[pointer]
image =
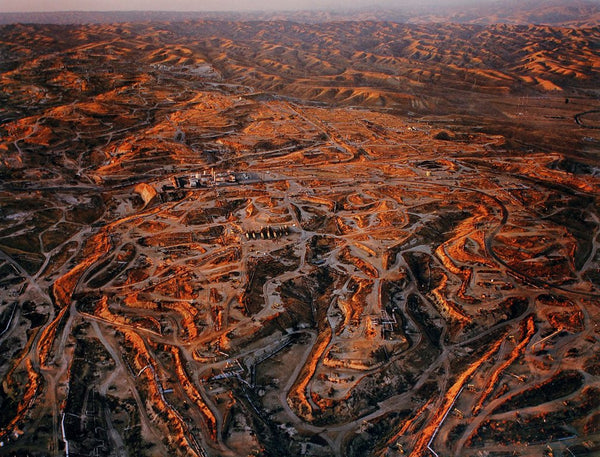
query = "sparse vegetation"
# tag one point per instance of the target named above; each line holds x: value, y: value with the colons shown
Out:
x: 298, y: 238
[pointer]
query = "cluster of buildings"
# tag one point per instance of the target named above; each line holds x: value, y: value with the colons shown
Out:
x: 205, y: 179
x: 268, y: 233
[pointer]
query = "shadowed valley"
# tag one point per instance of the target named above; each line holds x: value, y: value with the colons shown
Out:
x: 223, y: 238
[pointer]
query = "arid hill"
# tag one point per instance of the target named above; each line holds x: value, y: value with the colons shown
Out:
x: 424, y: 69
x: 267, y: 238
x: 564, y: 13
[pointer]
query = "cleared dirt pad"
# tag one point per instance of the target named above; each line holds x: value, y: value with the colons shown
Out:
x: 288, y: 238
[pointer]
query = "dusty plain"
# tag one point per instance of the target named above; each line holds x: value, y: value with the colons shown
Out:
x: 273, y: 238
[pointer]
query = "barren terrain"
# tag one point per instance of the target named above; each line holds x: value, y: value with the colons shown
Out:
x: 272, y: 238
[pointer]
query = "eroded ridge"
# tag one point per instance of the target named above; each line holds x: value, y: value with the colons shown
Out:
x: 192, y: 267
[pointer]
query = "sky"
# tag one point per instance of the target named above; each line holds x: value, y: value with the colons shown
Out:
x: 196, y: 5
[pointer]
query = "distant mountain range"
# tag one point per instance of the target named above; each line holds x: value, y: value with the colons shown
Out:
x: 568, y: 13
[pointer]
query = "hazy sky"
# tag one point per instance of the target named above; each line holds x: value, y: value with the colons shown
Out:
x: 194, y: 5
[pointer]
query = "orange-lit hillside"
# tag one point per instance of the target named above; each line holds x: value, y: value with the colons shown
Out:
x: 233, y: 238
